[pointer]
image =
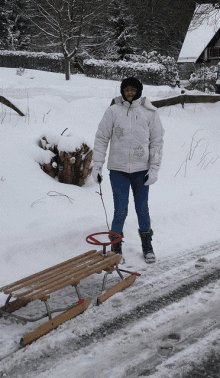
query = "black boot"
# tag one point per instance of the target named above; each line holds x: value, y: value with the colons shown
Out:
x: 117, y: 247
x: 147, y: 248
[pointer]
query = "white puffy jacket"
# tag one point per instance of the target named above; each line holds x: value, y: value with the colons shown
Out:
x: 136, y: 136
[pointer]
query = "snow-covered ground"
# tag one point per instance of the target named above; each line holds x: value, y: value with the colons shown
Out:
x: 39, y: 230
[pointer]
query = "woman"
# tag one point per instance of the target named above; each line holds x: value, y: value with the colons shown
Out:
x: 135, y: 132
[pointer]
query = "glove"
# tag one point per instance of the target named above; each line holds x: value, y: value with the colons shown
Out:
x: 151, y: 177
x: 97, y: 173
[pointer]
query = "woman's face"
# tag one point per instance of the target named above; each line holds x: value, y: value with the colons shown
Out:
x: 130, y: 92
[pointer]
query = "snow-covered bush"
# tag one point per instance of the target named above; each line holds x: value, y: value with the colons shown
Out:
x: 204, y: 79
x: 170, y: 71
x: 148, y: 73
x: 151, y: 68
x: 185, y: 70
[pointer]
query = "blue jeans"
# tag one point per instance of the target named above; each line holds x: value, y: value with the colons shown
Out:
x: 121, y: 182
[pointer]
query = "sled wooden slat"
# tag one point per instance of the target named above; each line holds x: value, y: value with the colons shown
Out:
x: 61, y: 275
x: 55, y: 322
x: 71, y: 280
x: 34, y: 278
x: 52, y: 278
x: 116, y: 288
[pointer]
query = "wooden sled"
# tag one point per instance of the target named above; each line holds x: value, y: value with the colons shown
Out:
x: 39, y: 286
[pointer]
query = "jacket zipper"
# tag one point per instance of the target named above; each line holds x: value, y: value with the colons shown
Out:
x: 130, y: 124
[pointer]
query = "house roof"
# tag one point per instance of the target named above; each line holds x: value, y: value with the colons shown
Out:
x: 197, y: 39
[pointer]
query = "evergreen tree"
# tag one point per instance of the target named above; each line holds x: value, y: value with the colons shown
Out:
x: 121, y: 30
x: 3, y: 29
x: 15, y: 28
x: 162, y: 24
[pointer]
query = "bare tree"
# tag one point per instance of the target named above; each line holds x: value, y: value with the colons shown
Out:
x: 64, y: 23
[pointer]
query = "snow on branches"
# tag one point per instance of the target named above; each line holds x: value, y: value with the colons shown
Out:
x: 151, y: 68
x: 204, y: 79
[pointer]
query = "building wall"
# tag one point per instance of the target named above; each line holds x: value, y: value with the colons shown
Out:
x: 217, y: 44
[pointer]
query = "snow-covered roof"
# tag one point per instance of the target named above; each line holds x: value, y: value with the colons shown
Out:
x: 198, y: 38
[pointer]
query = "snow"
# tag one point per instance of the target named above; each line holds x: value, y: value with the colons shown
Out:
x: 197, y: 38
x: 137, y: 341
x: 41, y: 227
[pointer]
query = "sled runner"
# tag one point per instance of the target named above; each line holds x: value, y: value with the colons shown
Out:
x: 39, y: 286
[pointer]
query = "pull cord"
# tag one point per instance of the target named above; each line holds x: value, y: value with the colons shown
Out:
x: 100, y: 193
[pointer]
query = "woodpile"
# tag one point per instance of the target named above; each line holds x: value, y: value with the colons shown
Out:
x: 68, y: 167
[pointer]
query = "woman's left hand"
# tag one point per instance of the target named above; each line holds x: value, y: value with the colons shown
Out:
x: 151, y: 177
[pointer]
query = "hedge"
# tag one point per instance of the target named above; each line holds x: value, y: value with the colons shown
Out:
x: 34, y: 60
x: 147, y: 73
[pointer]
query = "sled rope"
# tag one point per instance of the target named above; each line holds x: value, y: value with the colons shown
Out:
x: 106, y: 218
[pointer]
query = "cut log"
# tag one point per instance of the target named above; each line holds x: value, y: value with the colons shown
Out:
x: 48, y: 168
x: 70, y: 167
x: 86, y: 165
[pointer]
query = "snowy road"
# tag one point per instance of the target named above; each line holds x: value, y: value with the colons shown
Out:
x: 160, y: 326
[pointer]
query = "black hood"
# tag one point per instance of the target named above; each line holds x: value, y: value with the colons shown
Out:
x: 132, y: 82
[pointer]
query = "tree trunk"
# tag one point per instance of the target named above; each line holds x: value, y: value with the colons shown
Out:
x: 67, y: 67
